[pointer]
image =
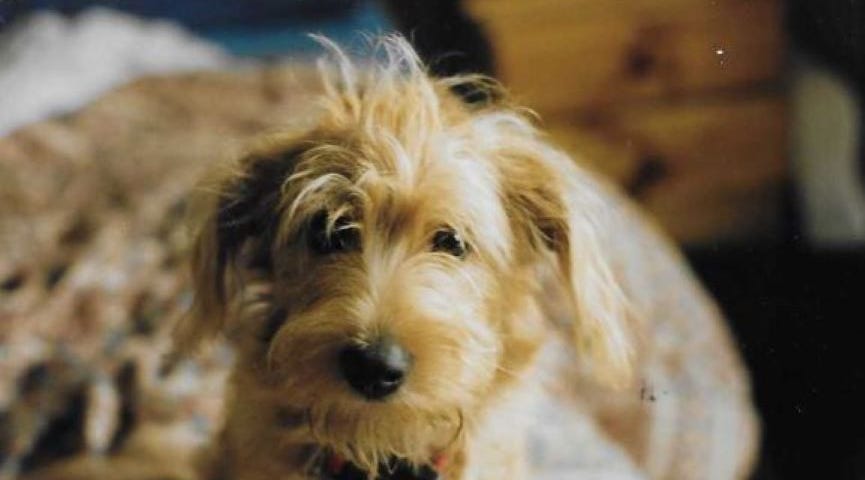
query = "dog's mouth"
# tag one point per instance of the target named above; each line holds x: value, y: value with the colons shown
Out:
x: 369, y: 445
x: 334, y: 467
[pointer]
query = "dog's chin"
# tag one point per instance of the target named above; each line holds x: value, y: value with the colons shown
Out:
x: 368, y: 434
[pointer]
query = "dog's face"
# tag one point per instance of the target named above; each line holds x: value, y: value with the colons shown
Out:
x: 377, y: 272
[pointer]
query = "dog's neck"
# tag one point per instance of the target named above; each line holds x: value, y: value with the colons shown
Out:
x: 334, y: 467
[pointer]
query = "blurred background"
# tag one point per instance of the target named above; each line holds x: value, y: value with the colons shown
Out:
x: 736, y: 123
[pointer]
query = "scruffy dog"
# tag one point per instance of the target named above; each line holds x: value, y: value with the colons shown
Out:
x: 382, y: 275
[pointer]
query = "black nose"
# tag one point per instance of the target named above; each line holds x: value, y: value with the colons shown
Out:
x: 376, y: 370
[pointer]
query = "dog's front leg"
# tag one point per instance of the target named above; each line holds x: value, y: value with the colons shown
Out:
x: 492, y: 460
x: 495, y: 446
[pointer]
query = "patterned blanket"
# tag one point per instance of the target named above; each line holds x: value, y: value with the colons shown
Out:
x: 91, y: 274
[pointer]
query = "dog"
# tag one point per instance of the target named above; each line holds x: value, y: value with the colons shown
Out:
x: 386, y: 274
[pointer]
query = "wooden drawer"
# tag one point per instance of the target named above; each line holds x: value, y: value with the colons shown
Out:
x: 557, y: 55
x: 676, y: 100
x: 709, y: 170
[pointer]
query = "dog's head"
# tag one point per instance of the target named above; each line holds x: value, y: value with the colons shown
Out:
x: 378, y: 272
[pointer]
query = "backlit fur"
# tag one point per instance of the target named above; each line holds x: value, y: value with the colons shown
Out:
x: 398, y: 157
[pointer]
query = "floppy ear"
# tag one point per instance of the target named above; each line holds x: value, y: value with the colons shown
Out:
x: 237, y: 215
x: 558, y: 217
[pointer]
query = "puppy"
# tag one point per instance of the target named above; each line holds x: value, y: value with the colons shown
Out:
x: 385, y: 276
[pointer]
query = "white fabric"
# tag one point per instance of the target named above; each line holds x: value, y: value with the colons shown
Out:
x: 51, y: 64
x: 825, y: 149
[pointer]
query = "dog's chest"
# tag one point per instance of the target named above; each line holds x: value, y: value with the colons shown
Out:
x: 563, y: 441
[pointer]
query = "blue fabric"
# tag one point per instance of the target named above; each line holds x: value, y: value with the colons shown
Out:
x: 196, y: 13
x: 292, y: 36
x: 243, y: 27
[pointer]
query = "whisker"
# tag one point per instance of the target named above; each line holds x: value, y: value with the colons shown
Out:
x: 459, y: 430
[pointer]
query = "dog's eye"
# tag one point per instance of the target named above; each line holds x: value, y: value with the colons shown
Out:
x: 341, y: 237
x: 449, y: 241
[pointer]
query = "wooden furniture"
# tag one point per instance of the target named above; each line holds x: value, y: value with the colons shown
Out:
x: 677, y: 100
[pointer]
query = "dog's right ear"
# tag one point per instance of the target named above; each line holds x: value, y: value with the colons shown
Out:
x: 557, y: 216
x: 234, y: 217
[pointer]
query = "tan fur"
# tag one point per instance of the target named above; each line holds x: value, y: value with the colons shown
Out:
x: 398, y: 156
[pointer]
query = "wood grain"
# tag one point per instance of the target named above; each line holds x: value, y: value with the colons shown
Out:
x: 559, y: 55
x: 709, y: 169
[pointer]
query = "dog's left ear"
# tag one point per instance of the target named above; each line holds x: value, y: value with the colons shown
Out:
x: 237, y: 216
x: 555, y: 220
